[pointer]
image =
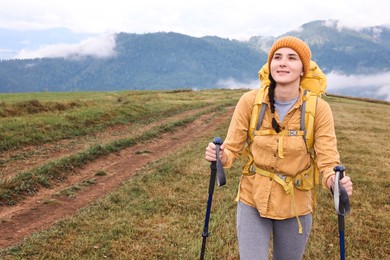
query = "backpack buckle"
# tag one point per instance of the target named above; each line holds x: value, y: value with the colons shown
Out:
x: 292, y: 132
x: 283, y: 177
x: 297, y: 183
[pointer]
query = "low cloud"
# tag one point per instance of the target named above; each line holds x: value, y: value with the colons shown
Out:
x: 371, y: 86
x: 341, y: 25
x: 367, y: 86
x: 100, y: 47
x: 234, y: 84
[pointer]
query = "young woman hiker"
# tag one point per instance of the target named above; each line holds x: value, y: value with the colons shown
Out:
x: 264, y: 206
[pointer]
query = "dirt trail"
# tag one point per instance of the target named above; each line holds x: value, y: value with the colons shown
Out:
x: 28, y: 157
x: 35, y: 213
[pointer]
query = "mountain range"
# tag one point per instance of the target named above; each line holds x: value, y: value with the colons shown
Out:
x: 169, y: 60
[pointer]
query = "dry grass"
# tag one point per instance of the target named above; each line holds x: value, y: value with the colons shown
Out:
x: 159, y: 214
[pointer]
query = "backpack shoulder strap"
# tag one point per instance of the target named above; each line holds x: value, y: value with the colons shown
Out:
x: 311, y: 100
x: 257, y: 113
x: 308, y: 114
x: 261, y: 116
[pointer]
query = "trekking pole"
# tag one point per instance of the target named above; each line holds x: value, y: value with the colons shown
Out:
x: 217, y: 172
x: 341, y: 203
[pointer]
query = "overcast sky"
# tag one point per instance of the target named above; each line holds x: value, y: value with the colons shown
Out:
x: 230, y: 19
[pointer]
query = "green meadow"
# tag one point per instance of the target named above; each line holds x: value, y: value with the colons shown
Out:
x: 159, y: 212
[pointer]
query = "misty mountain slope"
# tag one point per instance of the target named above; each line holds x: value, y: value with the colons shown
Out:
x: 147, y: 61
x: 172, y: 60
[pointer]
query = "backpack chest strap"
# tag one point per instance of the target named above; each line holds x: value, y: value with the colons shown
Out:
x: 286, y: 132
x: 282, y: 134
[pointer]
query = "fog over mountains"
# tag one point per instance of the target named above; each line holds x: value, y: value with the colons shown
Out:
x: 357, y: 62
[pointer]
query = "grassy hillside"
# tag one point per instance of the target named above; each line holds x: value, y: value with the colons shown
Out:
x: 30, y: 123
x: 159, y: 213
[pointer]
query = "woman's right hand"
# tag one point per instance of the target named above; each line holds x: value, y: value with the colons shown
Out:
x: 211, y: 153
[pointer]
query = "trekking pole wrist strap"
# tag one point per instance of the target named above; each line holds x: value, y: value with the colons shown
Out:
x: 340, y: 194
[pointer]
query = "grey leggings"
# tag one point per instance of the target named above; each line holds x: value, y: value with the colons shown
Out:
x: 254, y: 233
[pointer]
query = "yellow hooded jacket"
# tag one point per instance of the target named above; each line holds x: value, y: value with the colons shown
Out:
x: 261, y: 192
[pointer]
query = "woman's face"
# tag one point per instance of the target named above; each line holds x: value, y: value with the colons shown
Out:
x: 286, y: 66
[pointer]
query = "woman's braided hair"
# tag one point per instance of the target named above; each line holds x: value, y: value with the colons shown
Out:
x: 271, y: 97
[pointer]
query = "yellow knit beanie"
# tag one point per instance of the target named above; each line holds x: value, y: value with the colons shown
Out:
x: 297, y: 45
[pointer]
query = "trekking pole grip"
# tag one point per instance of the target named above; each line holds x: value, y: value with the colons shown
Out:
x: 221, y: 179
x: 218, y: 141
x: 340, y: 169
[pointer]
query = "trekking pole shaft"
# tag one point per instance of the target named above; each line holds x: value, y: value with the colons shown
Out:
x: 341, y: 223
x: 205, y: 233
x: 341, y: 238
x: 203, y: 248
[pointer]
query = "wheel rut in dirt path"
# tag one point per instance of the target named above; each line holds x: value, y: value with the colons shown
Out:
x: 35, y: 213
x: 26, y: 158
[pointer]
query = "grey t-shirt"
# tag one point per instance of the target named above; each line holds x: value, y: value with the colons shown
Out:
x: 284, y: 106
